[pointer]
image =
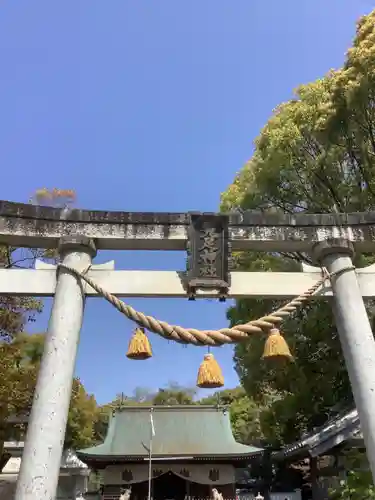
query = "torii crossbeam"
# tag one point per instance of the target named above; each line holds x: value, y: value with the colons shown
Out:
x: 41, y: 282
x: 209, y: 239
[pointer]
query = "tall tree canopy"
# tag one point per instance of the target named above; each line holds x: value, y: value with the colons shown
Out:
x: 317, y: 151
x: 15, y: 312
x: 18, y: 372
x: 244, y: 414
x: 315, y: 154
x: 17, y: 382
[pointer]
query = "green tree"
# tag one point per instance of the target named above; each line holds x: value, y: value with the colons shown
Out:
x: 225, y: 397
x: 294, y: 397
x: 81, y: 429
x: 316, y: 154
x: 15, y: 312
x: 244, y: 414
x: 317, y: 151
x: 83, y: 411
x: 174, y: 394
x: 358, y: 484
x: 32, y: 347
x: 17, y: 382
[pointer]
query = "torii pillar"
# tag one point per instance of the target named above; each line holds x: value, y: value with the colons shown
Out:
x: 41, y: 459
x: 353, y: 326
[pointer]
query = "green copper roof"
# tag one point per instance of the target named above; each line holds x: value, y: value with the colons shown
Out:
x: 180, y: 431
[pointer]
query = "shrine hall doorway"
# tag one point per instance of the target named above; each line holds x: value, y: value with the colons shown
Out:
x: 168, y: 486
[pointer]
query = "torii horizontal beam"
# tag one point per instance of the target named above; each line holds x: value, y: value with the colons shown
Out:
x: 41, y: 282
x: 42, y: 227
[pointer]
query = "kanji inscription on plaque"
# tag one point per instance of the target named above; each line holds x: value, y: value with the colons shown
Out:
x: 208, y: 252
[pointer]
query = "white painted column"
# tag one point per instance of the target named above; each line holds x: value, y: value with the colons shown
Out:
x: 41, y: 459
x: 355, y: 333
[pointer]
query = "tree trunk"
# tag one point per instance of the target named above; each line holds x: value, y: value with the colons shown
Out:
x: 314, y: 475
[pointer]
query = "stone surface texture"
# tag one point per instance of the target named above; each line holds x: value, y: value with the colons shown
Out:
x: 37, y: 226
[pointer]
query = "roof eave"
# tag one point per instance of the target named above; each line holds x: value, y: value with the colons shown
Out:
x: 315, y: 447
x: 142, y: 458
x: 299, y: 450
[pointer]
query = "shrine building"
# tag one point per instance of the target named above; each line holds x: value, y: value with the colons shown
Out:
x: 193, y: 451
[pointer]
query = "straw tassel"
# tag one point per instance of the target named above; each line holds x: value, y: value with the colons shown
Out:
x: 209, y: 374
x: 276, y: 346
x: 139, y: 345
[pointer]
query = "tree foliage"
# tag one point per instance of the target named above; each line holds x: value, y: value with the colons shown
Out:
x: 83, y: 410
x: 82, y: 417
x: 18, y: 373
x: 316, y: 154
x: 55, y: 197
x: 15, y: 312
x: 17, y: 382
x: 172, y: 394
x: 358, y: 484
x: 244, y: 414
x: 294, y: 397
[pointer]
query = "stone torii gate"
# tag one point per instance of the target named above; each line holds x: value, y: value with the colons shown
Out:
x: 209, y: 240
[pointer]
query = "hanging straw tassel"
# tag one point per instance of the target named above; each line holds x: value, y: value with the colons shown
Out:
x: 139, y: 345
x: 209, y: 374
x: 276, y: 346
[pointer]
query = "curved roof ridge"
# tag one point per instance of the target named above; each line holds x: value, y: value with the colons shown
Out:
x: 179, y: 431
x: 189, y: 407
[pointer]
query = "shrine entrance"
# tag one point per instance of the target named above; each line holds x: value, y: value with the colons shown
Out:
x: 210, y: 242
x: 169, y: 486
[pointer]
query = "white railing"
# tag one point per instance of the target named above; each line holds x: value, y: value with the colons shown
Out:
x: 294, y: 495
x: 14, y: 444
x: 290, y: 495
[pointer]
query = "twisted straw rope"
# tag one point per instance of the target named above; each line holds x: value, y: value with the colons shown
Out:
x: 182, y: 335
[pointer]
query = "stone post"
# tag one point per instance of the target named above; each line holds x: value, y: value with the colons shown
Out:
x: 355, y: 333
x: 41, y: 459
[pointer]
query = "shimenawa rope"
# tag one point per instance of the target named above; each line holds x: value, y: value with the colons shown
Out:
x: 183, y: 335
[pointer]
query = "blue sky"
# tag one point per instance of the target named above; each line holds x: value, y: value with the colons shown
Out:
x: 150, y: 106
